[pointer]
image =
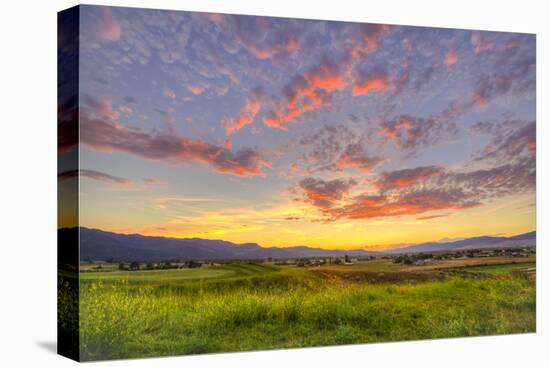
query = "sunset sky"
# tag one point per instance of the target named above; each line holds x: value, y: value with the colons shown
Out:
x: 292, y: 132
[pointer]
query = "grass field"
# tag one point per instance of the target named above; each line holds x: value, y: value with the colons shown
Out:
x: 248, y: 306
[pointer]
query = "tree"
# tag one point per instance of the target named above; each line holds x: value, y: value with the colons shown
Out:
x: 134, y: 265
x: 121, y: 266
x: 149, y: 266
x: 346, y: 259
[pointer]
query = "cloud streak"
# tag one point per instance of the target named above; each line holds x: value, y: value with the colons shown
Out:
x: 102, y: 132
x: 95, y: 175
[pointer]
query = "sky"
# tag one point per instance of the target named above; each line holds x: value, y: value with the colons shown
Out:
x: 289, y: 132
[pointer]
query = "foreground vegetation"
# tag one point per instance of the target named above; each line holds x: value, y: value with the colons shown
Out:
x: 238, y: 307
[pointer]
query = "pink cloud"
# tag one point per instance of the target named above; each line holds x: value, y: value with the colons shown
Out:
x: 100, y: 131
x: 152, y: 181
x: 169, y: 93
x: 110, y: 28
x: 246, y: 115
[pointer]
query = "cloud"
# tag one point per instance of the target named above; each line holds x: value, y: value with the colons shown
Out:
x: 196, y: 89
x: 406, y: 177
x: 305, y: 93
x: 126, y: 36
x: 518, y: 78
x: 428, y: 217
x: 410, y: 132
x: 364, y: 39
x: 509, y: 143
x: 169, y: 93
x: 412, y: 203
x: 451, y: 58
x: 126, y: 109
x: 316, y: 88
x: 152, y: 181
x: 364, y: 83
x: 480, y: 42
x: 246, y: 115
x: 101, y: 131
x: 95, y: 175
x: 513, y: 72
x: 284, y: 46
x: 333, y: 148
x: 324, y: 194
x: 418, y: 193
x: 354, y: 157
x: 109, y: 28
x: 266, y: 38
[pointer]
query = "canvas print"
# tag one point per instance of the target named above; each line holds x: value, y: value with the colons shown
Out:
x: 237, y: 183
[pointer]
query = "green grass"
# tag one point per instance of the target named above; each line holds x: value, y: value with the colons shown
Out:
x: 378, y: 265
x: 258, y: 306
x: 180, y: 276
x: 500, y: 268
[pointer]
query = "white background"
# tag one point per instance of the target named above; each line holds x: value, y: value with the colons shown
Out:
x: 28, y: 182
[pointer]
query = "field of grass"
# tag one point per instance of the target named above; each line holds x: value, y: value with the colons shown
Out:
x: 501, y: 268
x: 240, y: 306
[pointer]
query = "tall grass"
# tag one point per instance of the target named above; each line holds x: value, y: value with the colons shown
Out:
x: 120, y: 321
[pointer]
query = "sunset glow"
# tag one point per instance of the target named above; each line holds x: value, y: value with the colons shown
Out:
x: 288, y: 132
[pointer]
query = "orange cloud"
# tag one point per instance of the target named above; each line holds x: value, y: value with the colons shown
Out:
x: 417, y: 202
x: 228, y: 144
x: 406, y: 177
x: 307, y: 93
x: 323, y: 194
x: 366, y: 83
x: 369, y: 38
x: 215, y: 17
x: 451, y: 58
x: 286, y: 46
x: 195, y: 89
x: 246, y: 116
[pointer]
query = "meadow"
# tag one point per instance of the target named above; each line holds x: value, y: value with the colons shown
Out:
x: 250, y: 306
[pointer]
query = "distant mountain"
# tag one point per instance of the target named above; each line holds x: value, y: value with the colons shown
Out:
x: 101, y: 245
x: 482, y: 242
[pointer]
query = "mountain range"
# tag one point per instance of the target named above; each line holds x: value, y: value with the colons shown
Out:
x: 481, y: 242
x: 101, y: 245
x: 97, y: 245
